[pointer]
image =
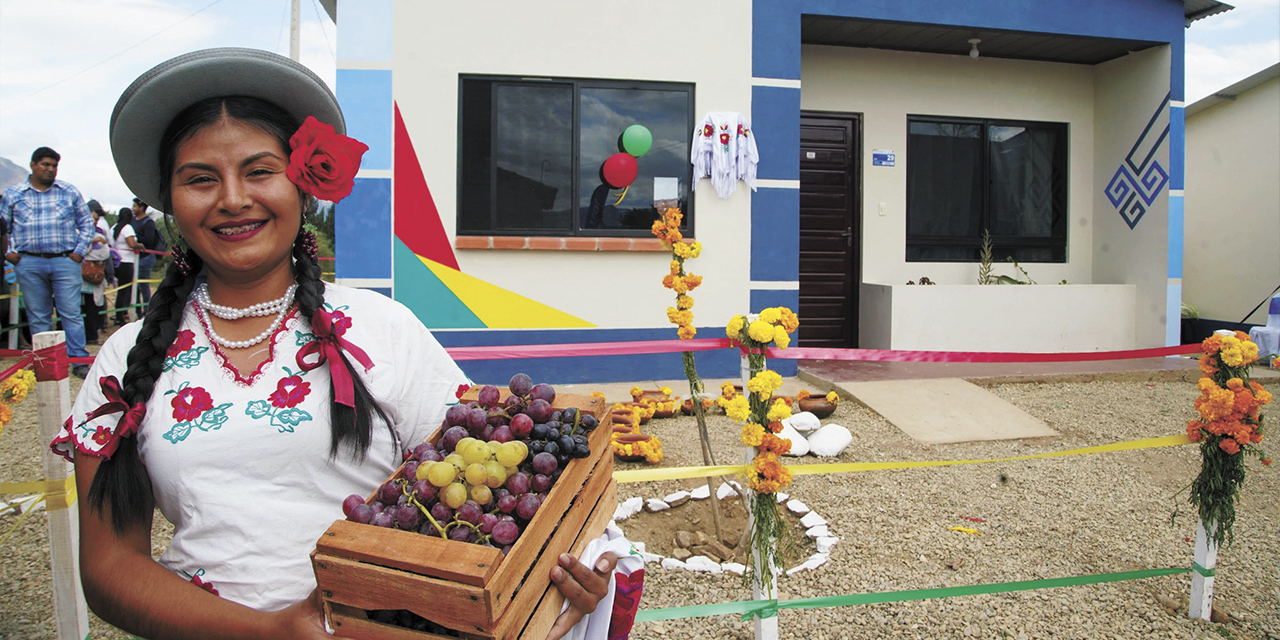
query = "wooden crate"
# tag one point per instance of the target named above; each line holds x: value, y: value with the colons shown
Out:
x: 472, y: 589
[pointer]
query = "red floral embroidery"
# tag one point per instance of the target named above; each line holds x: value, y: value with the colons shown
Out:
x: 324, y: 163
x: 462, y: 389
x: 102, y: 436
x: 290, y: 392
x: 707, y: 130
x: 724, y: 138
x: 340, y: 323
x: 185, y: 340
x: 190, y: 403
x: 626, y: 602
x: 207, y: 586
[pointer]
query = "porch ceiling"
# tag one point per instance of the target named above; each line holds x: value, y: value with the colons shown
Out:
x: 908, y: 36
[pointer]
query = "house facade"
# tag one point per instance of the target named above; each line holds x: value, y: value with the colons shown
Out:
x: 888, y: 138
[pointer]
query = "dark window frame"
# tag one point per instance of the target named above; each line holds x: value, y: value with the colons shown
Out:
x: 1004, y: 246
x: 577, y: 85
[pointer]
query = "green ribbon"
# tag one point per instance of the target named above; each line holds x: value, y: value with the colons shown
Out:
x: 1208, y: 573
x: 769, y: 608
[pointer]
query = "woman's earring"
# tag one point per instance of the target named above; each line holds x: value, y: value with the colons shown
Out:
x: 180, y: 259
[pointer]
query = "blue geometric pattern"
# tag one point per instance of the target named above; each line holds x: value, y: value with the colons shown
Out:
x: 1135, y: 185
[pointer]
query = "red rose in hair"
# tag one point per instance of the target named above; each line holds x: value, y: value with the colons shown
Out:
x: 323, y: 163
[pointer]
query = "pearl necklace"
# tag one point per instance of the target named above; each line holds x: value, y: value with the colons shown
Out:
x: 256, y: 310
x: 283, y: 304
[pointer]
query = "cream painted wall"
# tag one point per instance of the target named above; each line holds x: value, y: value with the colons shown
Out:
x: 886, y: 86
x: 1127, y: 92
x: 1232, y: 244
x: 435, y: 42
x: 1039, y: 318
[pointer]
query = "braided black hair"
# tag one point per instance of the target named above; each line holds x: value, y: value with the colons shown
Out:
x: 121, y: 482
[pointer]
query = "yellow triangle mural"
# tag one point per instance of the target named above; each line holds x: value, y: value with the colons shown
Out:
x: 498, y: 308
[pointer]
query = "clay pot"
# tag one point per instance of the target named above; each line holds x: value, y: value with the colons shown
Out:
x: 631, y: 438
x: 644, y: 410
x: 622, y: 428
x: 818, y: 406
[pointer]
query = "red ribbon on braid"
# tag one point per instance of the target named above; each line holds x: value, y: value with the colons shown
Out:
x: 129, y: 423
x: 328, y: 347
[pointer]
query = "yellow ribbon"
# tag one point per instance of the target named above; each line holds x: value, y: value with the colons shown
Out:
x: 57, y: 494
x: 680, y: 473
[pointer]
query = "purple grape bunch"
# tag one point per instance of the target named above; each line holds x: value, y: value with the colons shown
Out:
x: 494, y: 512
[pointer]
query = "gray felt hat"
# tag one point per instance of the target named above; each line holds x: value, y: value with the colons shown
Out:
x: 149, y: 104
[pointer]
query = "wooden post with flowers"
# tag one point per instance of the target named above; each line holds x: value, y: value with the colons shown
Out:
x: 53, y: 395
x: 1229, y: 428
x: 766, y: 475
x: 667, y: 230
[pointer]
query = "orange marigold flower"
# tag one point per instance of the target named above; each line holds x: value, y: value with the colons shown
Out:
x: 1242, y: 336
x: 1229, y: 445
x: 1266, y: 462
x: 773, y: 444
x: 1211, y: 345
x: 1193, y: 431
x: 775, y: 427
x: 686, y: 332
x: 669, y: 281
x: 691, y: 281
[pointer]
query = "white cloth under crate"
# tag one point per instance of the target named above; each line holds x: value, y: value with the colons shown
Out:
x: 1268, y: 338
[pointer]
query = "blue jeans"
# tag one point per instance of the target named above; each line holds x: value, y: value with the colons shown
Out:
x: 145, y: 264
x: 47, y: 282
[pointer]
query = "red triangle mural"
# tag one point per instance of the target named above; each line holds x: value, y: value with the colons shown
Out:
x: 417, y: 221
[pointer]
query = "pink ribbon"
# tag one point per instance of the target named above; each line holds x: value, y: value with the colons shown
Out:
x: 129, y: 423
x: 328, y: 347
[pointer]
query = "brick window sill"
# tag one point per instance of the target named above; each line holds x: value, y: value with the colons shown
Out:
x: 544, y: 243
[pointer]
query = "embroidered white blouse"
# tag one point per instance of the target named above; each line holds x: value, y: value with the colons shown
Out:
x: 724, y: 149
x: 240, y: 464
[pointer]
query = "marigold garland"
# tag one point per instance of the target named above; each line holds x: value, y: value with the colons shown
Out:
x: 1230, y: 426
x: 650, y: 450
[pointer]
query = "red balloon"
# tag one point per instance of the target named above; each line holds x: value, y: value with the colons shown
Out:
x: 620, y: 170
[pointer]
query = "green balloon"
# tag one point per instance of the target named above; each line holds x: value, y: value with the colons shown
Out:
x: 636, y: 140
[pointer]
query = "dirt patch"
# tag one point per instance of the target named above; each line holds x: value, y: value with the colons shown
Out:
x: 659, y: 531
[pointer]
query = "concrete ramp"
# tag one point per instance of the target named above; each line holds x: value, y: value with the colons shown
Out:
x: 947, y: 410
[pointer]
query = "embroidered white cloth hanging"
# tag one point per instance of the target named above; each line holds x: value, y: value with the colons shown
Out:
x: 724, y: 149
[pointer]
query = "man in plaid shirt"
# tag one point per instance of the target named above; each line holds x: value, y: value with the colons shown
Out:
x: 49, y: 229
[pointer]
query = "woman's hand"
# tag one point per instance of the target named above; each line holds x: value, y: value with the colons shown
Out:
x: 303, y: 620
x: 581, y: 587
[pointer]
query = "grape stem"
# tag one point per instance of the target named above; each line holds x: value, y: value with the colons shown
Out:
x: 426, y: 512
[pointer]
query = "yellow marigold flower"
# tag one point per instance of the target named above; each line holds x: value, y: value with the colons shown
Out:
x: 6, y: 414
x: 695, y: 249
x: 734, y: 328
x: 686, y: 332
x: 752, y: 434
x: 1250, y: 351
x: 728, y: 390
x: 738, y: 409
x: 760, y: 331
x: 765, y: 383
x: 682, y: 249
x: 781, y: 338
x: 653, y: 456
x: 789, y: 320
x: 675, y: 267
x: 684, y: 301
x: 691, y: 282
x: 678, y: 284
x: 771, y: 315
x: 597, y: 394
x: 833, y: 397
x: 1232, y: 357
x: 779, y: 411
x: 636, y: 392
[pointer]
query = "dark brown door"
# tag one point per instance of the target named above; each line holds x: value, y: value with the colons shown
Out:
x: 830, y: 242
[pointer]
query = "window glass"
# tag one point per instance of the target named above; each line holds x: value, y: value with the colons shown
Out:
x: 967, y: 176
x: 661, y: 172
x: 531, y: 153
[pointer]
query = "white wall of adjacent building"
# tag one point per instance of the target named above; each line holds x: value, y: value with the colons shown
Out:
x: 1232, y: 244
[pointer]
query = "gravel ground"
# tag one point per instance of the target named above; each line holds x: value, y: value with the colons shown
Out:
x: 1047, y: 518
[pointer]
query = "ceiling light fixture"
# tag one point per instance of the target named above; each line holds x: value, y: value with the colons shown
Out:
x: 973, y: 50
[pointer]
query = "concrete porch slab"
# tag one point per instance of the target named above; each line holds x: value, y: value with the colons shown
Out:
x: 946, y: 410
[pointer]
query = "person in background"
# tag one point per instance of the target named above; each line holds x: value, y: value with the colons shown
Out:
x: 149, y: 236
x: 125, y: 241
x: 49, y: 227
x: 92, y: 294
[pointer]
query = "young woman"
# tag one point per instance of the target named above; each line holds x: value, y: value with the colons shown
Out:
x: 253, y: 397
x: 125, y: 241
